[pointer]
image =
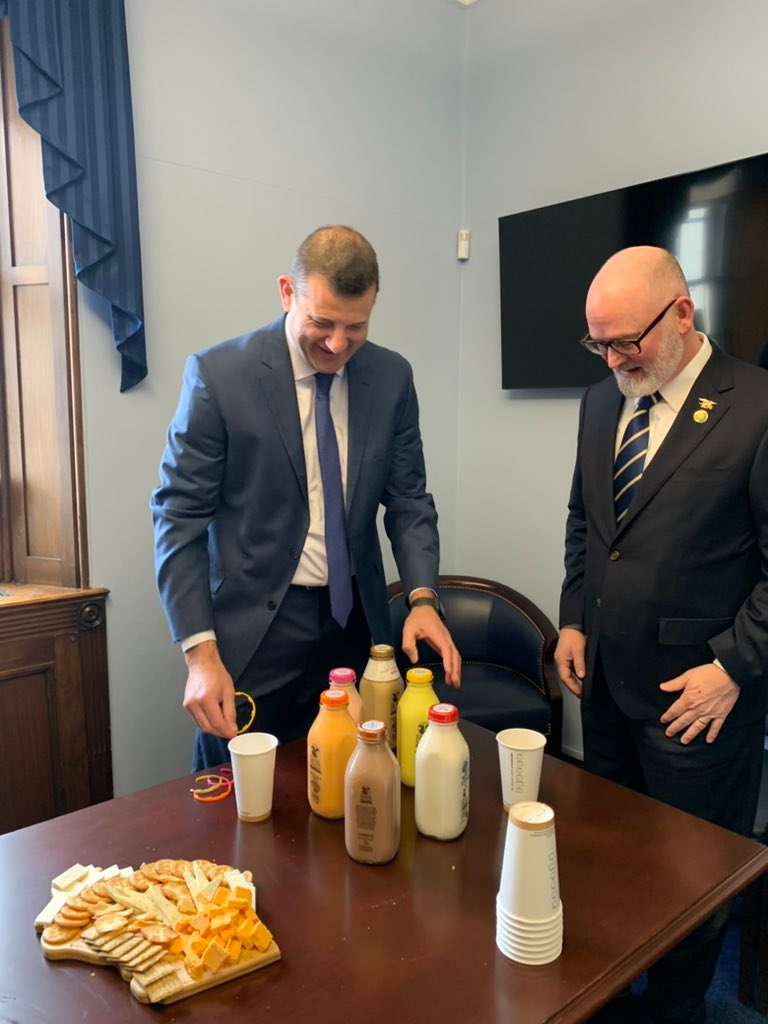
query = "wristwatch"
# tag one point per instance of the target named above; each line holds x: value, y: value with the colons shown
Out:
x: 433, y: 602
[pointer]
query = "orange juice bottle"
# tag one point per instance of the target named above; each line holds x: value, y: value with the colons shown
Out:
x: 330, y: 741
x: 412, y: 719
x: 345, y: 679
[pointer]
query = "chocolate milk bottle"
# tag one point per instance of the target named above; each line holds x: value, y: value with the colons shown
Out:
x: 372, y: 797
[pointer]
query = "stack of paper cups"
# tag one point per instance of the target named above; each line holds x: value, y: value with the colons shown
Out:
x: 529, y: 914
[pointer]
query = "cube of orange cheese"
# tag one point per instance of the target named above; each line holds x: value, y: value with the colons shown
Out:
x: 221, y: 921
x: 234, y: 948
x: 220, y: 896
x: 177, y: 945
x: 194, y: 965
x: 244, y: 934
x: 226, y: 934
x: 240, y: 899
x: 214, y: 956
x: 200, y: 923
x: 261, y: 936
x: 194, y: 943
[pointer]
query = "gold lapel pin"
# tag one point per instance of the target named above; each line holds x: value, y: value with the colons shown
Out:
x: 702, y: 413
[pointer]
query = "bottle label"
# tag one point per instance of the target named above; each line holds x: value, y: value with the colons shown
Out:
x: 381, y: 671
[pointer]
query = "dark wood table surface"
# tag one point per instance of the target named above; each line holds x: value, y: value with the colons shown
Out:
x: 411, y: 940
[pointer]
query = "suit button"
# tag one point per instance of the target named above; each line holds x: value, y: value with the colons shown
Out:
x: 271, y: 605
x: 599, y: 602
x: 294, y: 553
x: 614, y: 556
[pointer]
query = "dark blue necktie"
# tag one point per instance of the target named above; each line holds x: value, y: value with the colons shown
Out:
x: 336, y: 550
x: 630, y: 458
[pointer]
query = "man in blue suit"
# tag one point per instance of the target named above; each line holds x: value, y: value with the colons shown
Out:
x: 243, y: 544
x: 664, y: 607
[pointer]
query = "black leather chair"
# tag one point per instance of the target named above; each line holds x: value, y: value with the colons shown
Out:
x: 507, y: 646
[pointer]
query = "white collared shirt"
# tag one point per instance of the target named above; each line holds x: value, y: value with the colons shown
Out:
x: 674, y: 394
x: 312, y: 570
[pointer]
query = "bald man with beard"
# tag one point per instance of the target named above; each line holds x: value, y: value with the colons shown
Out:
x: 664, y: 607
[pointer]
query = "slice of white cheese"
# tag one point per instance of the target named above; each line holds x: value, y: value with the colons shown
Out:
x: 165, y: 909
x: 64, y: 881
x: 140, y: 901
x: 47, y: 914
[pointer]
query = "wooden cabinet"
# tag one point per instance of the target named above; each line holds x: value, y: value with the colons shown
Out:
x: 55, y: 749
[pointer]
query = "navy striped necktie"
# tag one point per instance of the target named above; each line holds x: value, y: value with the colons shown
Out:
x: 336, y: 550
x: 630, y: 458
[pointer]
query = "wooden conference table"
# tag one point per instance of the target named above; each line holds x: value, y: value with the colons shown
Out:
x: 411, y: 940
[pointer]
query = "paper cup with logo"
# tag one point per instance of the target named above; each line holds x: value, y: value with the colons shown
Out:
x: 529, y: 890
x: 521, y: 752
x: 253, y: 771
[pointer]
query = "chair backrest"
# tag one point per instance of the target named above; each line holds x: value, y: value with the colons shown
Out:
x: 490, y: 623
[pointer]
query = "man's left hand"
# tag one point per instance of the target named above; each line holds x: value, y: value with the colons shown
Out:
x: 423, y: 623
x: 708, y: 696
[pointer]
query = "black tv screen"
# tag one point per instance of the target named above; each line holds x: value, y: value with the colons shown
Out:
x: 715, y: 221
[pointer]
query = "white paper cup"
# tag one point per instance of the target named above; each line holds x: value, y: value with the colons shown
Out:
x: 529, y: 890
x: 525, y: 927
x: 253, y: 771
x: 529, y: 957
x: 521, y: 752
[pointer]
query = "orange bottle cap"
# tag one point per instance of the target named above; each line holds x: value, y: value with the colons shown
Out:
x: 334, y: 699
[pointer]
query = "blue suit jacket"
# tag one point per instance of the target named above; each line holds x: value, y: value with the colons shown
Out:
x: 231, y: 511
x: 684, y: 578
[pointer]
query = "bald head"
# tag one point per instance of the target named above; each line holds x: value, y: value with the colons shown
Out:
x: 627, y: 300
x: 641, y: 273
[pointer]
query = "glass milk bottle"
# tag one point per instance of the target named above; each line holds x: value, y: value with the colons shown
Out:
x: 412, y: 718
x: 345, y: 679
x: 441, y: 799
x: 372, y: 797
x: 381, y: 687
x: 330, y: 741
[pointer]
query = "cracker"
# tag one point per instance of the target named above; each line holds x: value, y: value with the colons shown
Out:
x: 56, y: 935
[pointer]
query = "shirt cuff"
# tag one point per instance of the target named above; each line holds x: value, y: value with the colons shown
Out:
x: 196, y: 638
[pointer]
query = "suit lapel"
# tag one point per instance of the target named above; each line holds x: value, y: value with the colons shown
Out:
x: 275, y: 373
x: 360, y: 416
x: 690, y: 429
x: 598, y: 447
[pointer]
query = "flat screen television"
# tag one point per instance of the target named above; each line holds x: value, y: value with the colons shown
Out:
x: 715, y: 221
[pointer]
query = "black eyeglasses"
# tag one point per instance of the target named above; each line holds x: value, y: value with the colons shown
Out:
x: 625, y: 346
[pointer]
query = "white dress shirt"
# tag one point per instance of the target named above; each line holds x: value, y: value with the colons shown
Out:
x: 674, y: 394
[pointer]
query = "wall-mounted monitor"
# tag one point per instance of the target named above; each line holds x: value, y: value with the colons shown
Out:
x: 715, y: 221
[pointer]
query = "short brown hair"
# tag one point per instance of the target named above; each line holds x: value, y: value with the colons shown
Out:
x: 339, y: 254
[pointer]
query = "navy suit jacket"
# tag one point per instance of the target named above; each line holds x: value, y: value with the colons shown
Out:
x: 231, y: 511
x: 684, y: 578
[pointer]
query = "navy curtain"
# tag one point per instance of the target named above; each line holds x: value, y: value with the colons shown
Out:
x: 73, y: 88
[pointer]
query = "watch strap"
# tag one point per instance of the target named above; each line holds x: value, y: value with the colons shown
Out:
x: 433, y: 602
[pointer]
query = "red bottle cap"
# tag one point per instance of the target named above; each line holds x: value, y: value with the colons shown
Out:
x: 443, y: 713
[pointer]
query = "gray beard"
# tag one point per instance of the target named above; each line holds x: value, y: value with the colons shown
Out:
x: 657, y: 373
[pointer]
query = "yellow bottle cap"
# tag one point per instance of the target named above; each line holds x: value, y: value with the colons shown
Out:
x: 419, y: 676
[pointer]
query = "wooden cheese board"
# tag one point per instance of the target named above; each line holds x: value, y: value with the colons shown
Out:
x: 171, y: 930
